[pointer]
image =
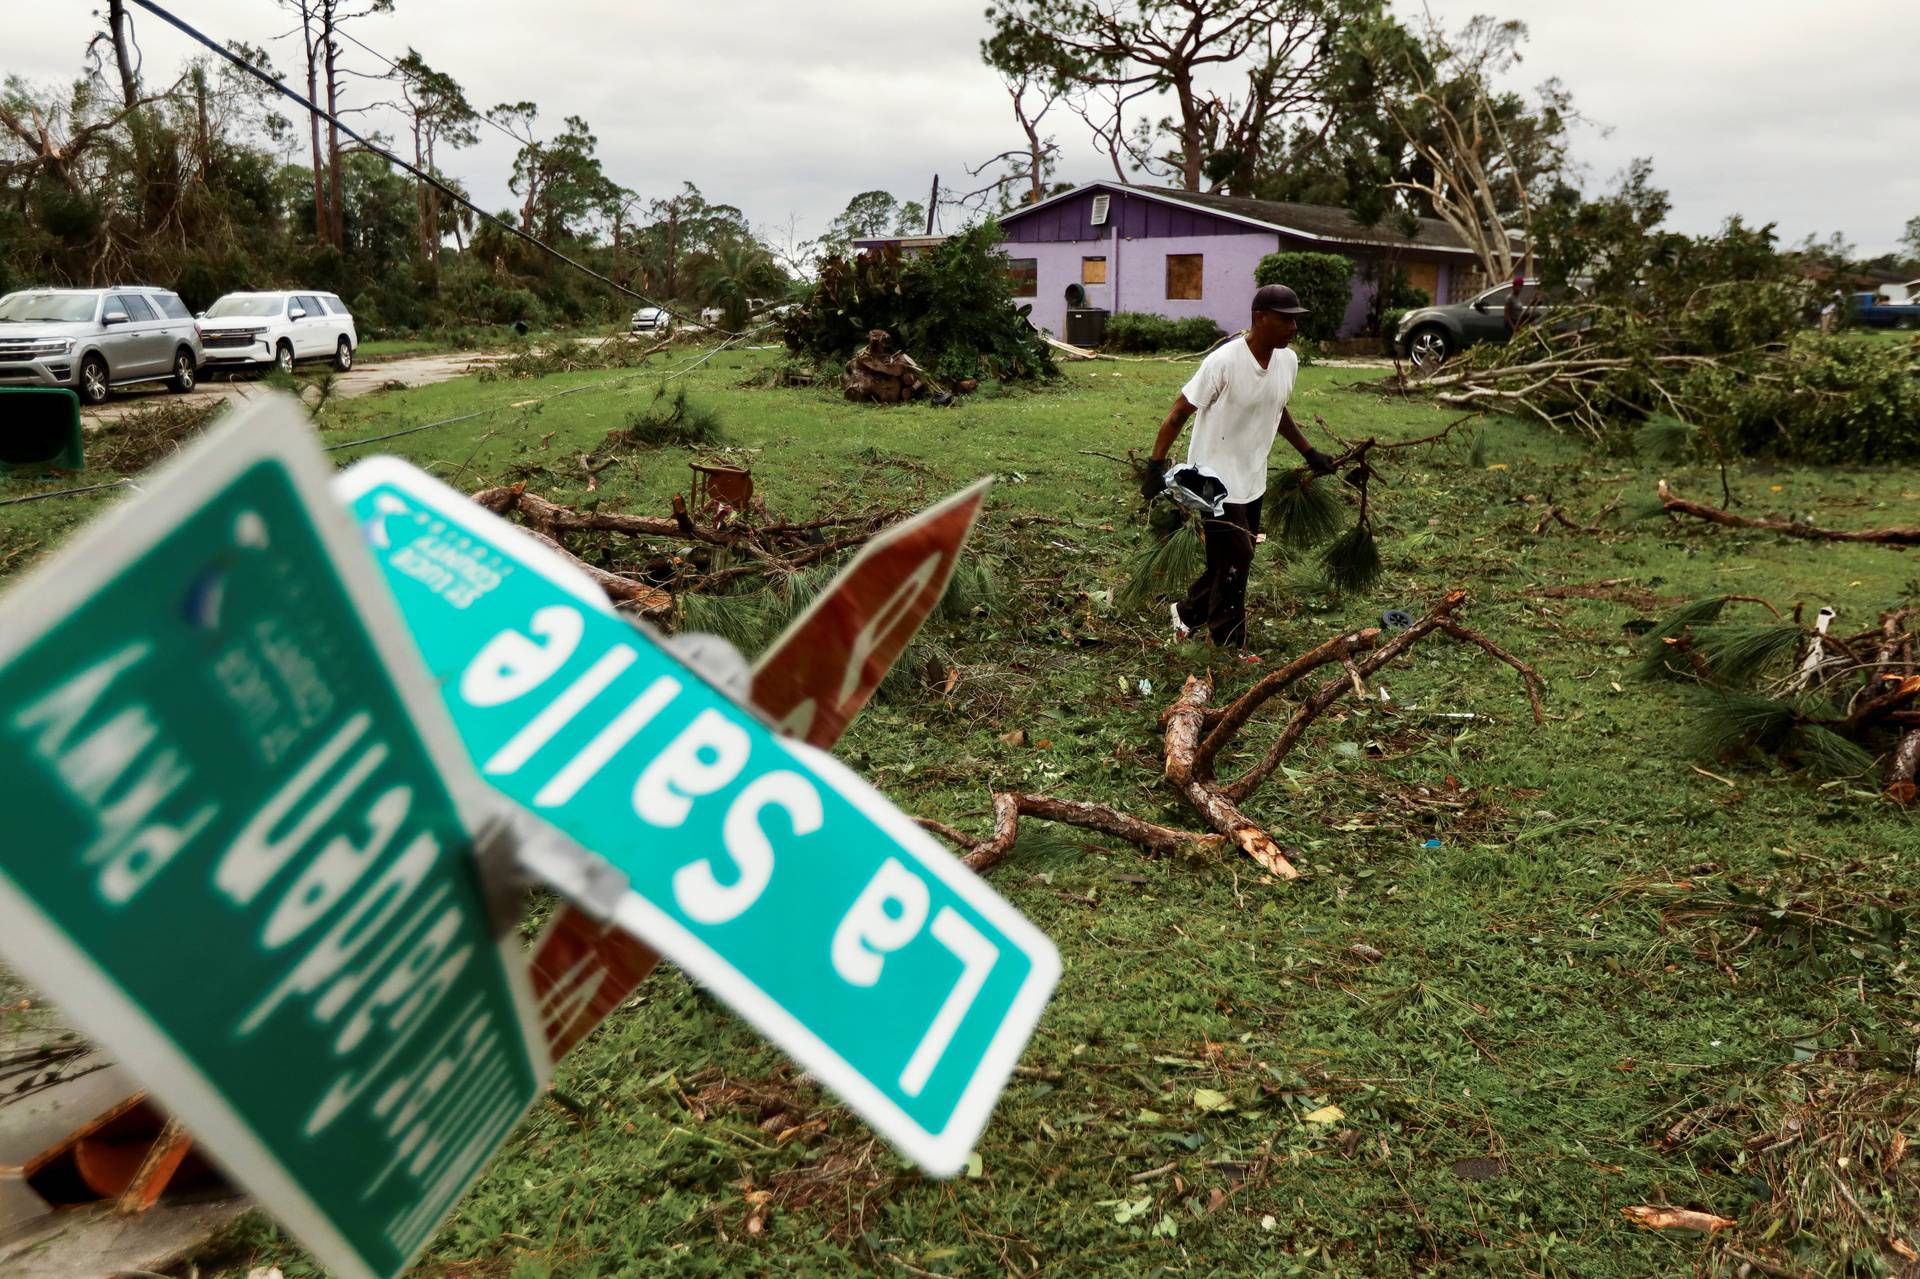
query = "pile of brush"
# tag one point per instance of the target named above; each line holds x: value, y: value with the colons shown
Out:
x: 654, y: 564
x: 1302, y: 511
x: 1796, y: 691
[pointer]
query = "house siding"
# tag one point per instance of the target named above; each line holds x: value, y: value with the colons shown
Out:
x: 1137, y: 237
x: 1132, y: 217
x: 1137, y: 276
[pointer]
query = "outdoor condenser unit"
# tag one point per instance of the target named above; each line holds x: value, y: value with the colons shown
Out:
x: 39, y: 428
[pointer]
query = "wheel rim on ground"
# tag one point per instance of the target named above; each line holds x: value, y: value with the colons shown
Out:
x: 343, y: 356
x: 93, y: 380
x: 183, y: 371
x: 283, y: 359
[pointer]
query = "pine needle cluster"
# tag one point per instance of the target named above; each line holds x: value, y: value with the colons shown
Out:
x: 1167, y: 566
x: 1743, y: 702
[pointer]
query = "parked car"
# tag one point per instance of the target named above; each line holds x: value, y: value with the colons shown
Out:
x: 93, y: 340
x: 652, y: 319
x: 1865, y: 308
x: 1430, y: 335
x: 258, y: 330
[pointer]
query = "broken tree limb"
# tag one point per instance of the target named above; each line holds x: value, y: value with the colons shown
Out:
x: 1714, y: 515
x: 1903, y: 767
x: 1194, y: 735
x: 638, y: 597
x: 1009, y: 807
x: 1529, y: 677
x: 1330, y: 692
x: 1340, y: 648
x: 1183, y: 720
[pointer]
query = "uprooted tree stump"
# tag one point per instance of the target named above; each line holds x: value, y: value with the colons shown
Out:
x: 1196, y: 735
x: 878, y: 376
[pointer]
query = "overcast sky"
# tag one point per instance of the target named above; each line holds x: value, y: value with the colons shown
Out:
x: 1804, y: 114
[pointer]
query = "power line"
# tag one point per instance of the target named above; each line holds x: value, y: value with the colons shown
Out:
x: 195, y: 34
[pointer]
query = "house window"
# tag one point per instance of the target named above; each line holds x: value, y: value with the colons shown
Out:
x: 1024, y: 275
x: 1093, y: 270
x: 1183, y: 276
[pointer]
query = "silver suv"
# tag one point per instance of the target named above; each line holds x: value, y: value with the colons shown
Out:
x: 96, y: 339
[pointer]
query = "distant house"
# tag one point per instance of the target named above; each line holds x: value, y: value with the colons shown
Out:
x: 910, y: 245
x: 1181, y: 253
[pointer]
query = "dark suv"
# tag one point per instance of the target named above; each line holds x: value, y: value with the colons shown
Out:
x: 1429, y: 336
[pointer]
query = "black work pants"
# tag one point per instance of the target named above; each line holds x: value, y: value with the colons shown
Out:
x: 1218, y: 600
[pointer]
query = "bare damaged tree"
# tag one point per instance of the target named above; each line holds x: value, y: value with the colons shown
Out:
x: 1480, y: 152
x: 438, y: 112
x: 1029, y: 165
x: 320, y: 24
x: 1108, y: 54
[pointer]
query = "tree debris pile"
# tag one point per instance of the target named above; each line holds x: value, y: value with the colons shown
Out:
x: 952, y: 306
x: 1796, y: 691
x: 1197, y: 735
x: 1711, y: 332
x: 658, y: 562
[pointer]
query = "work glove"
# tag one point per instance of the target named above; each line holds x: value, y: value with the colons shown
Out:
x: 1154, y: 482
x: 1317, y: 462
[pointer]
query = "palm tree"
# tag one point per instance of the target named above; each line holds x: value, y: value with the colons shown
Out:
x: 739, y: 271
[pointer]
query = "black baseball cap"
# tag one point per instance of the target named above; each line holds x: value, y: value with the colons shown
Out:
x: 1278, y: 297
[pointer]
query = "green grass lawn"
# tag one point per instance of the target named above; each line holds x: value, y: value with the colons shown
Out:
x: 1570, y: 1014
x: 498, y: 338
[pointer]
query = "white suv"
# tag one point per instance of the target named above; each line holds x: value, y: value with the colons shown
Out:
x: 278, y: 329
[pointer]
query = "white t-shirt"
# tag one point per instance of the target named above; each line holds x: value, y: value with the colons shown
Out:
x: 1240, y: 405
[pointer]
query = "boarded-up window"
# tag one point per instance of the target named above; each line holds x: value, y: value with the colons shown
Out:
x: 1183, y: 275
x: 1024, y: 275
x: 1093, y: 270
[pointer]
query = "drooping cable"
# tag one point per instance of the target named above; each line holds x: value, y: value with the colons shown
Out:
x: 194, y: 33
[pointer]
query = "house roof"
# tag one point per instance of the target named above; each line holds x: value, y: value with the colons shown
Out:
x: 1309, y: 221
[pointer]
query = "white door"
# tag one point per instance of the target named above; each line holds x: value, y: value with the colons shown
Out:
x: 310, y: 331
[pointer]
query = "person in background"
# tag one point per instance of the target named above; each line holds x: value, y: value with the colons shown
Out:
x: 1239, y: 399
x: 1515, y: 311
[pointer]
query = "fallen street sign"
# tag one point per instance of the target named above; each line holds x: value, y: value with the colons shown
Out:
x: 239, y: 849
x: 764, y: 868
x: 814, y: 679
x: 811, y: 683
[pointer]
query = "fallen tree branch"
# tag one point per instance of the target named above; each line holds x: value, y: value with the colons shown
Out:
x: 1010, y: 806
x: 1195, y: 735
x: 1329, y: 693
x: 649, y: 601
x: 1714, y: 515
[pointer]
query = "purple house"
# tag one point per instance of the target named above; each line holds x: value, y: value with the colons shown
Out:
x: 1183, y: 253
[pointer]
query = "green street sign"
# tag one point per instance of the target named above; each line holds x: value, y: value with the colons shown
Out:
x: 239, y: 848
x: 767, y: 870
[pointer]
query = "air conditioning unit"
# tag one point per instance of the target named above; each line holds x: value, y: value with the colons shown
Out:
x: 43, y: 429
x: 1100, y: 203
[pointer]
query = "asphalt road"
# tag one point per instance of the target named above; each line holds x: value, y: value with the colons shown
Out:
x: 408, y: 370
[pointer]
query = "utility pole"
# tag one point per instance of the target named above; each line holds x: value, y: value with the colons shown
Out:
x: 933, y: 203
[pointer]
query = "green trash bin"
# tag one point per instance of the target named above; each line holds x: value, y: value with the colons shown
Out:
x: 39, y: 428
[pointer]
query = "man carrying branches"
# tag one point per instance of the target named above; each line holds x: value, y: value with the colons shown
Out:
x: 1240, y: 395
